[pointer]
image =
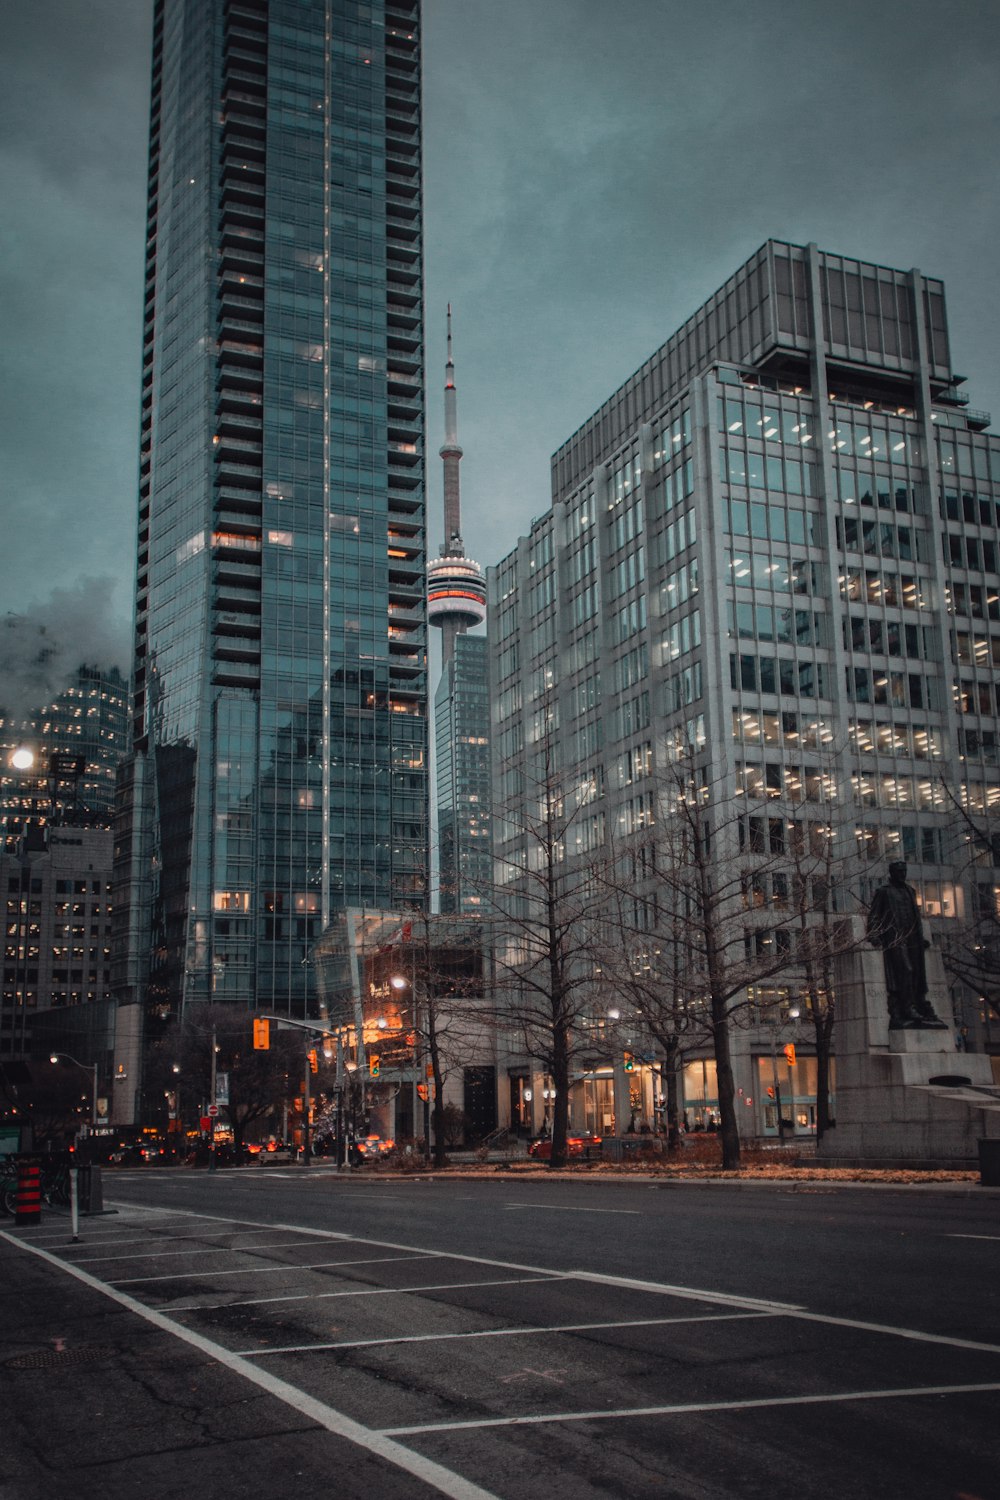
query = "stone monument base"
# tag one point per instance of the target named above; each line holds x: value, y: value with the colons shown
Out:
x: 904, y: 1098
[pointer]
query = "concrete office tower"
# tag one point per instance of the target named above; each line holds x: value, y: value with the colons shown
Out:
x: 456, y: 601
x: 280, y: 725
x: 774, y: 548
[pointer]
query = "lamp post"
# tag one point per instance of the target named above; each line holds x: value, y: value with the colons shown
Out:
x: 90, y: 1068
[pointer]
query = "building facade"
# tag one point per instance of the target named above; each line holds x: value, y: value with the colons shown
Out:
x: 280, y: 713
x: 71, y: 748
x: 462, y: 778
x: 773, y: 552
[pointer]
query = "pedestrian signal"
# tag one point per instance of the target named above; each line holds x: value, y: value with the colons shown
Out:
x: 261, y: 1034
x: 790, y: 1054
x: 770, y: 1093
x: 422, y: 1091
x: 629, y: 1063
x: 313, y: 1061
x: 374, y: 1067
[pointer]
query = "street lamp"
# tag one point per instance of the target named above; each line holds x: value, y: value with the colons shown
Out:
x: 90, y: 1068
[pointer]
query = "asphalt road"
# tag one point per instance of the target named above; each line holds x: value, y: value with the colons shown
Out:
x: 569, y: 1338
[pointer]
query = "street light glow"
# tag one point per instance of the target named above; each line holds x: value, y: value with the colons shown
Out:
x: 23, y: 758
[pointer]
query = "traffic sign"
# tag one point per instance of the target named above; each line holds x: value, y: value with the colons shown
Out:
x: 212, y: 1110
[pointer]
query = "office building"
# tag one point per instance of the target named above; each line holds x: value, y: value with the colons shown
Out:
x: 462, y: 778
x: 58, y: 762
x: 456, y: 602
x: 280, y: 715
x: 774, y: 551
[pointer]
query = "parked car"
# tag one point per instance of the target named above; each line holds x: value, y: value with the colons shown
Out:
x: 576, y: 1145
x: 369, y: 1148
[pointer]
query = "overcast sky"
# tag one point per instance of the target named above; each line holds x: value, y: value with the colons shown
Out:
x: 594, y: 171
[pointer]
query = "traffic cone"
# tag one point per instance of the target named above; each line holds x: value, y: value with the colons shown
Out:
x: 29, y: 1194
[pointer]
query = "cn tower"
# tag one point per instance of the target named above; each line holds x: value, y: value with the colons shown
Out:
x: 456, y: 586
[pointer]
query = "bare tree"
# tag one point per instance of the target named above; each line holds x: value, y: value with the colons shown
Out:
x: 546, y: 951
x: 737, y: 893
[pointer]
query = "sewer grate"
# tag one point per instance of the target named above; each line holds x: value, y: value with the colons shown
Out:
x: 48, y: 1359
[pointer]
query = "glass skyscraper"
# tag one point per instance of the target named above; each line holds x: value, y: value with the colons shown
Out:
x: 280, y: 722
x: 772, y: 554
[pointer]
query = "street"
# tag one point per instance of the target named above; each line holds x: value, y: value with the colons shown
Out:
x: 580, y: 1338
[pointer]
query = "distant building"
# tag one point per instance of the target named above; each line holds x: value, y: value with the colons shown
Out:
x: 774, y: 550
x: 57, y: 811
x: 462, y: 778
x: 75, y: 745
x: 57, y: 954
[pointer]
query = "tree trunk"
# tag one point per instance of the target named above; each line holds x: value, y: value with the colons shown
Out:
x: 729, y: 1129
x: 560, y: 1107
x: 437, y: 1113
x: 823, y: 1025
x: 673, y: 1095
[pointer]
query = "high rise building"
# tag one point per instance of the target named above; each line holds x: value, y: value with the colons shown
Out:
x: 456, y: 594
x: 70, y: 749
x: 773, y: 550
x: 280, y: 725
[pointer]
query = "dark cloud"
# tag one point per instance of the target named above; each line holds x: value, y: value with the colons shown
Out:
x: 594, y: 172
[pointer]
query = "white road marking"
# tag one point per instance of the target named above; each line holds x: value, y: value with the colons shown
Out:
x: 502, y: 1333
x: 972, y: 1236
x: 687, y: 1293
x: 316, y: 1265
x: 377, y: 1443
x: 369, y: 1291
x: 682, y: 1410
x: 566, y: 1208
x: 193, y: 1250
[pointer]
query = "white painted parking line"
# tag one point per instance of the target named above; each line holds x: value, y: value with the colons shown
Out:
x: 566, y: 1208
x: 501, y: 1333
x: 694, y: 1408
x: 316, y: 1265
x: 193, y: 1250
x: 368, y: 1291
x: 425, y: 1469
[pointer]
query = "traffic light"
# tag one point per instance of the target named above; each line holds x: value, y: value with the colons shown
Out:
x: 789, y: 1051
x: 374, y: 1067
x: 313, y: 1061
x: 261, y: 1034
x: 629, y: 1063
x: 770, y: 1093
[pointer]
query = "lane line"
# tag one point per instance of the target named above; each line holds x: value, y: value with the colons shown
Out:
x: 972, y: 1236
x: 502, y: 1333
x: 377, y: 1443
x: 565, y: 1208
x: 694, y: 1408
x: 317, y: 1265
x: 691, y: 1294
x: 194, y: 1250
x: 371, y: 1291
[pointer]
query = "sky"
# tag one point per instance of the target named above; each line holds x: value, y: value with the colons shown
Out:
x: 593, y: 172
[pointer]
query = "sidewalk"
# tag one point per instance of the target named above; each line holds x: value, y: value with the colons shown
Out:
x: 101, y: 1405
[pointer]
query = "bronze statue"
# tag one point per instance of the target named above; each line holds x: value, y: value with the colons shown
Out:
x: 894, y: 925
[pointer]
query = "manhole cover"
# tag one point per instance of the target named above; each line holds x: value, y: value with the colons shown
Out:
x: 48, y: 1359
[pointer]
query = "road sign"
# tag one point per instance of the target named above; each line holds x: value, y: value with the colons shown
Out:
x: 212, y: 1110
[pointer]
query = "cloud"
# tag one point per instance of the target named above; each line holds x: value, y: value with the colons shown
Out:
x: 43, y: 647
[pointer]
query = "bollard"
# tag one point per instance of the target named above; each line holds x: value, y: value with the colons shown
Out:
x: 29, y: 1194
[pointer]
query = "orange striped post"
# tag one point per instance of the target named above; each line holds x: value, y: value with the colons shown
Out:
x: 29, y: 1194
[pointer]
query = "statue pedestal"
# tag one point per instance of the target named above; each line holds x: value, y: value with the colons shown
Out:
x: 889, y: 1111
